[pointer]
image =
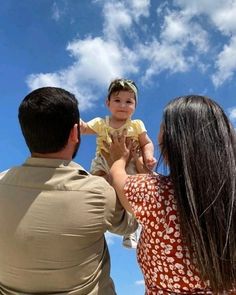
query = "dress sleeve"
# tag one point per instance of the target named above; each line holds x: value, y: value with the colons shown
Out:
x: 139, y: 126
x: 96, y: 124
x: 141, y: 192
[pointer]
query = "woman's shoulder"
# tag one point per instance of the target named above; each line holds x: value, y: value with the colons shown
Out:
x: 163, y: 178
x: 149, y: 188
x: 154, y: 178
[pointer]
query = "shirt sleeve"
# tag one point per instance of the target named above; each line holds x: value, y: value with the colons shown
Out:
x: 96, y: 124
x: 117, y: 219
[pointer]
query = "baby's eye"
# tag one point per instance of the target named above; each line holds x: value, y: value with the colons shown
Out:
x: 117, y: 100
x: 129, y: 101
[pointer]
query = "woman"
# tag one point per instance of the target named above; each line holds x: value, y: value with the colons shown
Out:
x: 188, y: 239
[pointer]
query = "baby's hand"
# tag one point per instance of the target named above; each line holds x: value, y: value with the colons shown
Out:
x: 82, y: 126
x: 150, y: 162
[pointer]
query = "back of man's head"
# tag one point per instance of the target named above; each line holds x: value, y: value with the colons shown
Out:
x: 46, y: 117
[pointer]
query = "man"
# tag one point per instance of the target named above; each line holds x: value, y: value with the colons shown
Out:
x: 53, y: 214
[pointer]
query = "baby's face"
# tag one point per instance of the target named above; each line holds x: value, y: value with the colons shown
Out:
x: 122, y: 104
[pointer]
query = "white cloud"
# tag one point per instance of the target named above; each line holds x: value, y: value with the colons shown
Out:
x: 225, y: 63
x: 221, y: 15
x: 126, y: 13
x: 232, y: 114
x: 100, y: 60
x: 140, y: 282
x: 116, y: 22
x: 163, y: 57
x: 58, y: 11
x: 172, y: 52
x: 180, y: 43
x: 62, y: 79
x: 110, y: 238
x: 178, y: 29
x: 224, y: 18
x: 140, y: 8
x: 96, y: 63
x: 174, y: 28
x: 196, y: 7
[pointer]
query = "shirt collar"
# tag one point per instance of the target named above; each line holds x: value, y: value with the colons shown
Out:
x: 51, y: 163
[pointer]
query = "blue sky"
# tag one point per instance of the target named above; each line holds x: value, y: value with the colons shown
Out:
x: 170, y: 48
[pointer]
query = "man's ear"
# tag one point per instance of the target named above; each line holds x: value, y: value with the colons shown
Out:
x: 74, y: 133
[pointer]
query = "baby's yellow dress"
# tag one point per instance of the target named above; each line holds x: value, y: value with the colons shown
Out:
x: 101, y: 127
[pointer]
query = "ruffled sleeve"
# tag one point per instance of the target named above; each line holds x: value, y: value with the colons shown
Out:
x: 96, y: 124
x: 139, y: 126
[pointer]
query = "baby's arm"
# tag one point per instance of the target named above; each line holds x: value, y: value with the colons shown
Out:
x: 85, y: 129
x: 147, y: 148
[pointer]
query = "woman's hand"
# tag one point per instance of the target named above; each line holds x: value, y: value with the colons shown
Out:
x: 120, y: 146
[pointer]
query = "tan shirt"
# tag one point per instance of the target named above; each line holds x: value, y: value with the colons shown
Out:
x: 53, y: 216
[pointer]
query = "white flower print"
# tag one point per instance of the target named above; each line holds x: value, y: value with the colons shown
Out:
x: 162, y: 254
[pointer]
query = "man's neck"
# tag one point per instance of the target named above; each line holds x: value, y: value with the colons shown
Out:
x: 58, y: 155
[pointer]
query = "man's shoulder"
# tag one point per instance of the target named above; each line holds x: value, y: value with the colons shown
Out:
x: 98, y: 181
x: 3, y: 173
x: 84, y: 180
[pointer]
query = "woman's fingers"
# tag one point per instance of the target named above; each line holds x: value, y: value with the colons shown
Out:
x: 115, y: 137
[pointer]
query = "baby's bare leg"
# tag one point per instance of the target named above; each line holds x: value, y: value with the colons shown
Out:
x: 140, y: 166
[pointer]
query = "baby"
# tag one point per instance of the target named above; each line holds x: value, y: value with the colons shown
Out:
x: 121, y: 101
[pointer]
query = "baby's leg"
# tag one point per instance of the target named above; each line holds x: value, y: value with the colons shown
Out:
x: 138, y: 160
x: 130, y: 240
x: 140, y: 166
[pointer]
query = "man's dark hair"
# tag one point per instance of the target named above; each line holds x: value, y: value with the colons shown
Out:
x: 46, y: 117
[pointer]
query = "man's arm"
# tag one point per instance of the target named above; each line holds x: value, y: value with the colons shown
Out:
x: 117, y: 219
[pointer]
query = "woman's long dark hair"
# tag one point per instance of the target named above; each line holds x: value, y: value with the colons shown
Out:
x: 199, y: 144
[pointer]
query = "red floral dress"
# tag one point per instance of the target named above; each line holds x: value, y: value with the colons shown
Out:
x: 162, y: 255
